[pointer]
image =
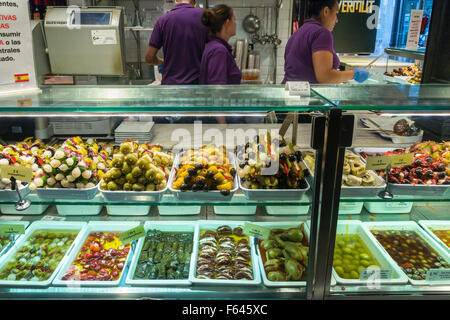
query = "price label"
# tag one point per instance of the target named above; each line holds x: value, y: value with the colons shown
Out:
x: 12, y: 228
x: 19, y: 173
x: 253, y: 230
x: 298, y: 88
x: 53, y: 218
x: 377, y: 163
x: 402, y: 160
x: 438, y: 274
x: 375, y: 274
x: 132, y: 234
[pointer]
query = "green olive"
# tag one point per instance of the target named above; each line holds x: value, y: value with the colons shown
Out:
x: 150, y: 187
x: 126, y: 169
x: 131, y: 158
x: 364, y: 256
x: 118, y: 160
x: 159, y: 177
x: 150, y: 174
x: 143, y: 163
x: 104, y: 185
x: 136, y: 172
x: 127, y: 186
x: 337, y: 262
x: 126, y: 148
x: 112, y: 186
x: 138, y: 187
x: 121, y: 181
x: 354, y: 274
x: 364, y: 263
x: 129, y: 177
x: 115, y: 173
x: 142, y: 180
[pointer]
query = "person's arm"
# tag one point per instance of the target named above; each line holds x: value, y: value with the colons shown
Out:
x: 323, y: 69
x: 151, y: 57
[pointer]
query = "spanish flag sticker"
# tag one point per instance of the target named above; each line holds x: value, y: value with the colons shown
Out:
x: 24, y: 77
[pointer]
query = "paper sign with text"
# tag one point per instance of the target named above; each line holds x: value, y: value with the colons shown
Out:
x: 16, y: 48
x: 19, y: 173
x: 12, y: 228
x: 399, y: 160
x: 438, y: 275
x: 415, y: 23
x: 253, y: 230
x: 375, y: 274
x: 132, y: 234
x: 402, y: 160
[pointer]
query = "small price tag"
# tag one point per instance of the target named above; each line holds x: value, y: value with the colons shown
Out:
x: 298, y: 88
x: 19, y: 173
x: 402, y: 160
x: 132, y: 234
x: 253, y: 230
x: 438, y: 274
x: 12, y: 228
x: 377, y: 163
x: 375, y: 274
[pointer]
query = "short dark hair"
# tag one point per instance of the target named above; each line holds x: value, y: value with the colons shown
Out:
x: 216, y: 17
x: 315, y: 6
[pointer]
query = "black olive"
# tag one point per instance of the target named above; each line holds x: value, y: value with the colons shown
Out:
x: 256, y: 139
x: 419, y: 172
x: 242, y: 165
x: 246, y: 162
x: 292, y: 157
x: 302, y: 184
x: 187, y: 179
x: 247, y: 145
x: 292, y: 174
x: 446, y: 182
x: 268, y: 163
x: 233, y: 172
x: 209, y: 174
x: 441, y: 167
x: 429, y: 159
x: 298, y: 154
x: 429, y: 173
x: 195, y: 187
x: 282, y: 144
x: 417, y: 162
x: 396, y: 174
x: 205, y: 187
x: 306, y: 173
x: 242, y: 179
x: 199, y: 166
x: 192, y: 171
x: 283, y: 157
x: 184, y: 187
x: 24, y: 183
x: 225, y: 192
x: 200, y: 182
x: 441, y: 175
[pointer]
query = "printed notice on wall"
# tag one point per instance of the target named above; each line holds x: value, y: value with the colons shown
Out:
x: 415, y: 23
x: 16, y: 50
x: 102, y: 37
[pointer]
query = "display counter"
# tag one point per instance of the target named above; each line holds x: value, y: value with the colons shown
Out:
x: 302, y: 190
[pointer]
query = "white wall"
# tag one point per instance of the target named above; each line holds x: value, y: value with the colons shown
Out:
x: 156, y: 8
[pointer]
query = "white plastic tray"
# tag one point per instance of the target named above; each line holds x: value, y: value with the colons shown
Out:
x: 235, y: 210
x: 410, y: 226
x: 127, y: 210
x: 267, y: 282
x: 350, y: 208
x: 213, y: 224
x: 386, y: 262
x: 169, y: 226
x: 17, y: 237
x: 177, y: 210
x: 436, y: 224
x: 34, y: 209
x: 11, y: 195
x: 67, y: 194
x: 81, y: 210
x: 93, y: 226
x: 42, y: 225
x: 214, y: 195
x: 287, y: 210
x: 388, y: 207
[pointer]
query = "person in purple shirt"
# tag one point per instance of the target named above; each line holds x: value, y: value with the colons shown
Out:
x: 218, y: 65
x: 310, y: 55
x: 182, y: 36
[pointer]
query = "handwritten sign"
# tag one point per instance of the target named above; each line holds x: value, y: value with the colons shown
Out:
x: 375, y: 274
x: 132, y: 234
x: 19, y: 173
x: 254, y: 230
x: 415, y: 24
x: 12, y: 228
x: 438, y: 275
x: 398, y: 160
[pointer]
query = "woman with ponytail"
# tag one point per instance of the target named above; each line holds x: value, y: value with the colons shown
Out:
x: 218, y: 65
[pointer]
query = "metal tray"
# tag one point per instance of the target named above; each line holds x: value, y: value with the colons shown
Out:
x: 204, y: 224
x: 386, y: 262
x: 202, y: 195
x: 427, y: 225
x: 94, y: 226
x: 17, y: 237
x: 408, y: 189
x: 170, y: 226
x: 267, y: 282
x: 11, y: 195
x: 410, y: 226
x: 273, y: 194
x: 42, y: 225
x: 67, y: 194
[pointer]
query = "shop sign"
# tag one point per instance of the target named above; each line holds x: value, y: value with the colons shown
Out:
x: 16, y: 50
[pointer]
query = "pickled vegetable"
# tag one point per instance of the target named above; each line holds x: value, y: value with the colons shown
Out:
x: 351, y: 255
x: 443, y: 235
x: 411, y: 252
x: 39, y: 256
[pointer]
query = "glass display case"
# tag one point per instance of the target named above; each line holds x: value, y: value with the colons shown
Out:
x: 196, y: 199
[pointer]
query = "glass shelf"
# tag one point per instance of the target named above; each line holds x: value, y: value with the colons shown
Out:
x: 418, y: 54
x: 398, y: 97
x: 168, y: 99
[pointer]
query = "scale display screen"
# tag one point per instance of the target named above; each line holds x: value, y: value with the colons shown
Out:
x: 92, y: 18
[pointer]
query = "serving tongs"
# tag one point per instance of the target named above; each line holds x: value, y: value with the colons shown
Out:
x: 369, y: 66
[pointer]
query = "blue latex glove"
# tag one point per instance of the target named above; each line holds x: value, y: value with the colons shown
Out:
x: 361, y: 74
x: 161, y: 68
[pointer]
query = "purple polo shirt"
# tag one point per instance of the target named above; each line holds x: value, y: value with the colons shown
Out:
x: 182, y: 36
x: 218, y: 65
x: 311, y: 37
